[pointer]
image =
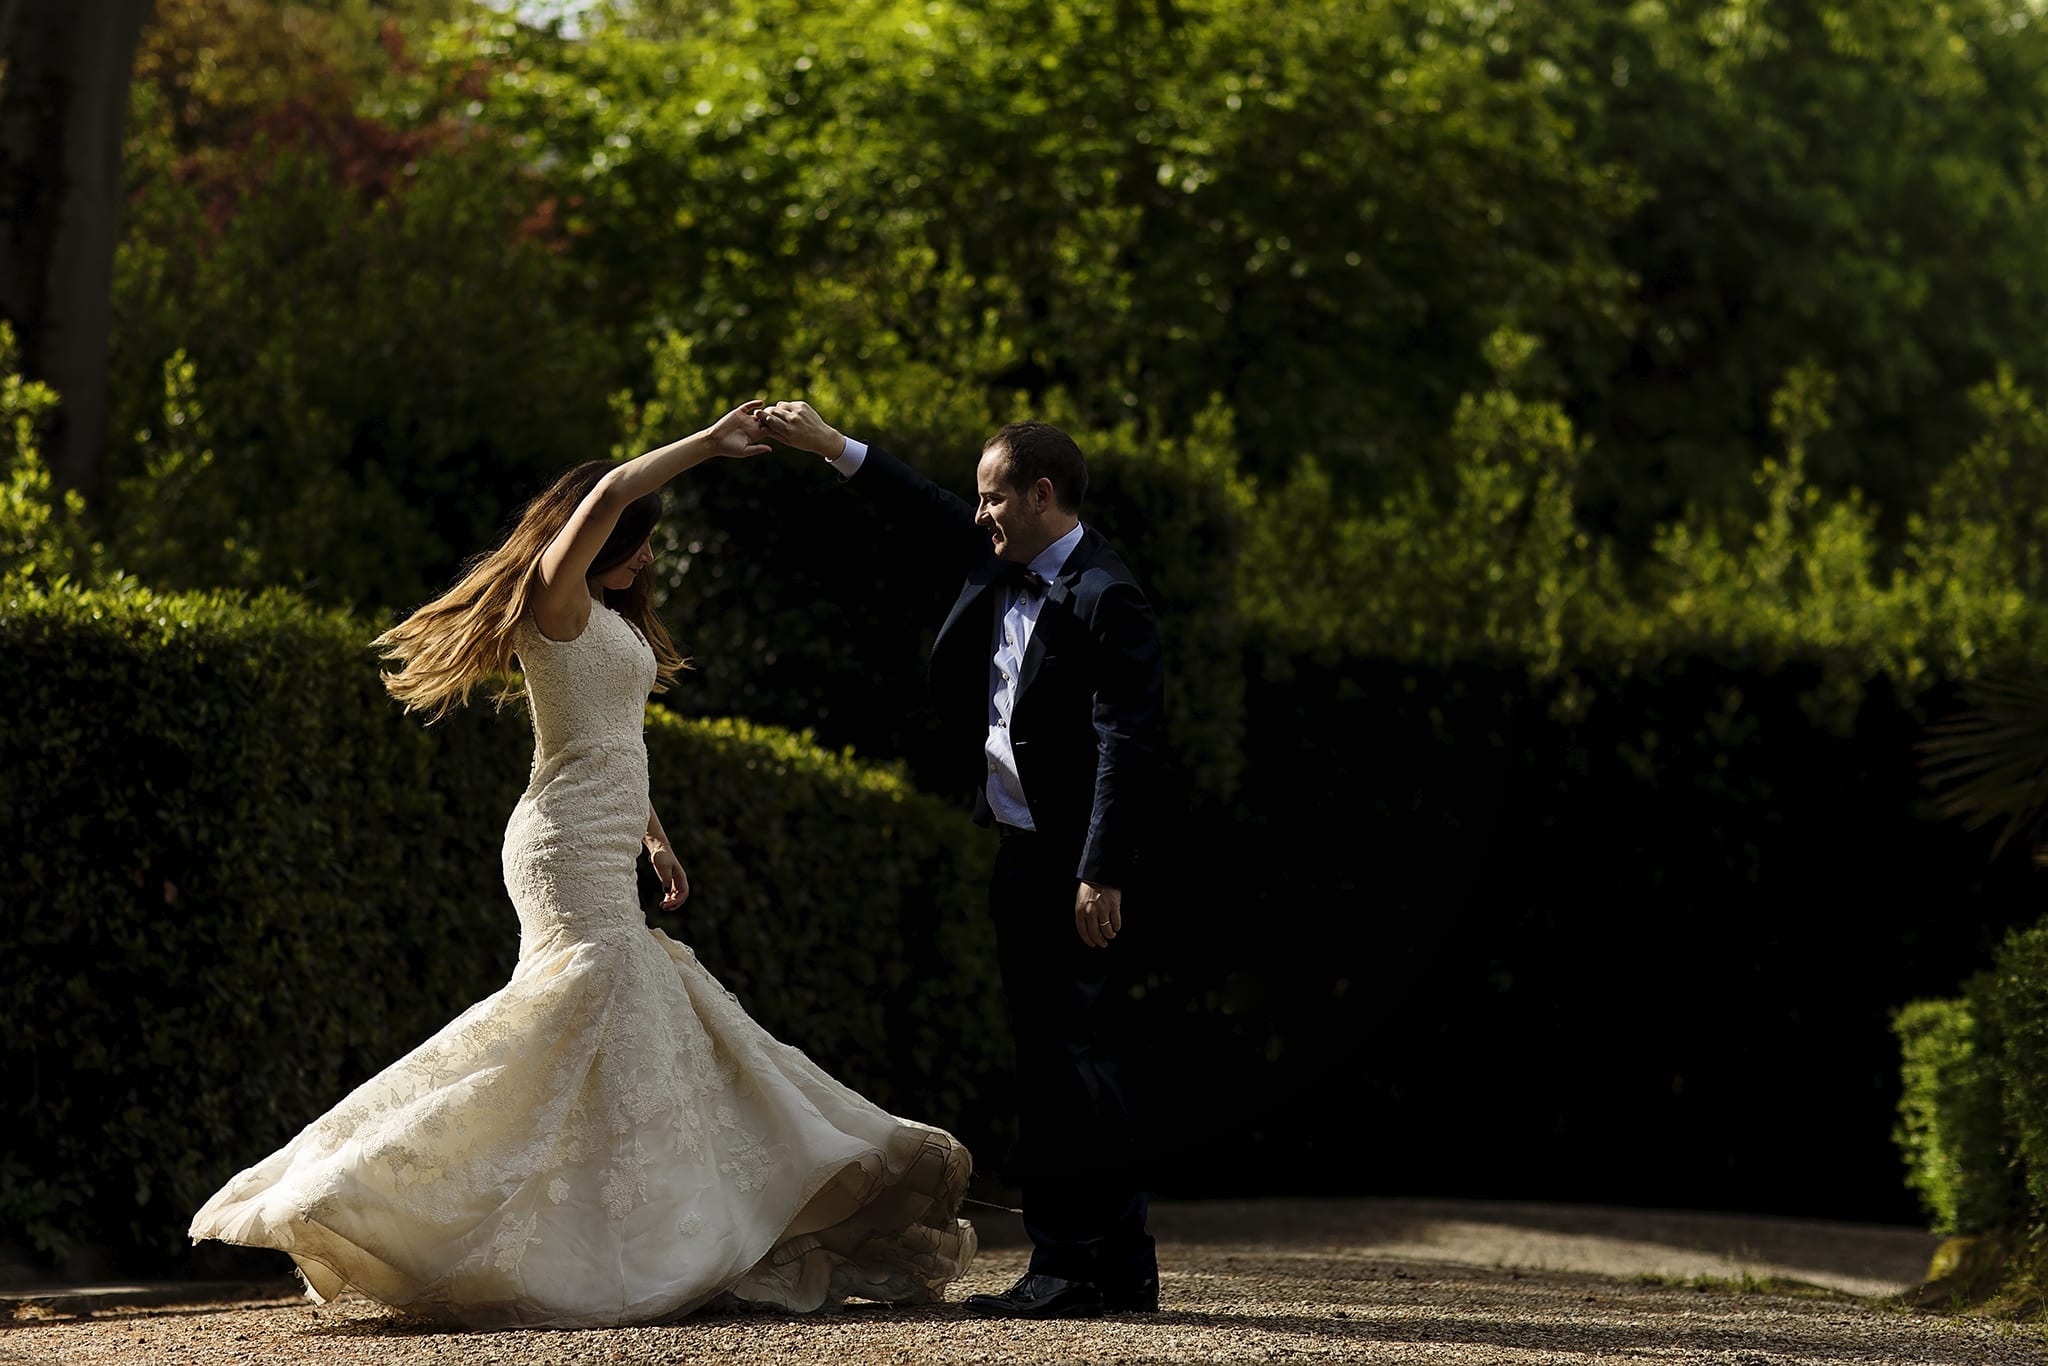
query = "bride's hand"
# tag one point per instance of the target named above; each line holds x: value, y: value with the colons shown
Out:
x: 675, y: 883
x: 738, y: 434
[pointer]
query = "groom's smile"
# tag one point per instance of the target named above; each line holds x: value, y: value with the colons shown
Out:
x: 1007, y: 513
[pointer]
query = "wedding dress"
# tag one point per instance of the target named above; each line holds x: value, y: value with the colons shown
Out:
x: 610, y: 1138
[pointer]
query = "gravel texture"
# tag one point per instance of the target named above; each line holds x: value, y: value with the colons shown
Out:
x: 1351, y: 1281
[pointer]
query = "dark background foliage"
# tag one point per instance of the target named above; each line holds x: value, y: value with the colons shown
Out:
x: 1553, y: 961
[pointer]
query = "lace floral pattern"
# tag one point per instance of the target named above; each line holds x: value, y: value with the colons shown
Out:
x: 557, y: 1154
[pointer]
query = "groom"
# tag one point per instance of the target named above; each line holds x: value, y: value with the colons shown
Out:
x: 1047, y: 678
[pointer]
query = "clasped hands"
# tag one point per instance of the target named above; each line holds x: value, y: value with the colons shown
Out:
x: 794, y: 423
x: 744, y: 432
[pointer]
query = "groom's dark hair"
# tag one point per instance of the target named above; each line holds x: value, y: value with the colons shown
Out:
x: 1038, y: 450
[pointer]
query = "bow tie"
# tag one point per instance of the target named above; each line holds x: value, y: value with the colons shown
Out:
x: 1023, y: 579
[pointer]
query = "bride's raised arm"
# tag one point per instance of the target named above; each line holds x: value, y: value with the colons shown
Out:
x: 561, y: 600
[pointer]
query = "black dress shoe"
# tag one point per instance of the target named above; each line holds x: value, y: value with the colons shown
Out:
x: 1132, y: 1297
x: 1039, y: 1296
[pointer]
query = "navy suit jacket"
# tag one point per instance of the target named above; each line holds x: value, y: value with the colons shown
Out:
x: 1086, y: 730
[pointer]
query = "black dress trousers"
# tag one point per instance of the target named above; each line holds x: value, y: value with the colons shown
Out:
x: 1078, y: 1150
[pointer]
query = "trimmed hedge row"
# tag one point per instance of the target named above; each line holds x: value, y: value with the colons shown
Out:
x: 1973, y: 1109
x: 1951, y: 1126
x: 1623, y: 938
x: 238, y: 881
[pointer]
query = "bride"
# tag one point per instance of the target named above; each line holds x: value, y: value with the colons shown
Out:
x: 609, y: 1139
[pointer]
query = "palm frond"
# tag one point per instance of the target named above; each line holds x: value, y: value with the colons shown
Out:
x: 1989, y: 761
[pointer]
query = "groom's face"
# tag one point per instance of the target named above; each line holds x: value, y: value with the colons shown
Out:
x: 1013, y: 517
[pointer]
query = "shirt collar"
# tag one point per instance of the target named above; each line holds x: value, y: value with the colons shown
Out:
x: 1050, y: 560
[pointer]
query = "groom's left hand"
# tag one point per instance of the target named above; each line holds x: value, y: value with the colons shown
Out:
x: 1098, y: 914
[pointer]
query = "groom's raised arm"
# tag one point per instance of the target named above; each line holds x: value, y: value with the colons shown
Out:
x: 942, y: 515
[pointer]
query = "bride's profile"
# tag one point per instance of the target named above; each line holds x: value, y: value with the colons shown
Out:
x: 608, y: 1139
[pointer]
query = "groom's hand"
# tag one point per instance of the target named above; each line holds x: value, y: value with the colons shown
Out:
x: 795, y: 423
x: 1098, y: 914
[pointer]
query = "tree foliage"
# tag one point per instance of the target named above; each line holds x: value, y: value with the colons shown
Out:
x: 44, y: 533
x: 411, y: 257
x: 351, y: 348
x: 1855, y: 185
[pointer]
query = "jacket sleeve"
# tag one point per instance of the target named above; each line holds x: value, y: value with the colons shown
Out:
x: 921, y: 508
x: 1129, y: 702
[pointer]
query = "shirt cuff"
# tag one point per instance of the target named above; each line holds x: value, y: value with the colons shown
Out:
x: 849, y: 460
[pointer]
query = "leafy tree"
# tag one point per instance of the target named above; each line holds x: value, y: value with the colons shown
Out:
x: 377, y: 323
x: 1846, y: 182
x: 43, y: 530
x: 1142, y: 208
x: 1314, y: 217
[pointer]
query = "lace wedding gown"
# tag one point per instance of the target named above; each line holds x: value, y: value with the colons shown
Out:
x: 608, y: 1139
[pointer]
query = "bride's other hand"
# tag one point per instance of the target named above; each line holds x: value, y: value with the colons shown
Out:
x: 797, y: 424
x: 739, y: 433
x: 675, y: 883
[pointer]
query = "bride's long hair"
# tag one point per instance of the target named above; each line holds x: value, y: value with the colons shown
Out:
x: 464, y: 637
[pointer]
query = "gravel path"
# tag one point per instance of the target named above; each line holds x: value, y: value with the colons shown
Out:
x: 1355, y: 1281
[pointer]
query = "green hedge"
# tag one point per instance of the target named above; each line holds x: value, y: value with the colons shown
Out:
x: 1951, y: 1126
x: 1973, y: 1108
x: 2019, y: 1007
x: 238, y: 882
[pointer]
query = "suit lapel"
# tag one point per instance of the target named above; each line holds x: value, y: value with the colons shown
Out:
x: 977, y: 584
x: 1052, y: 612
